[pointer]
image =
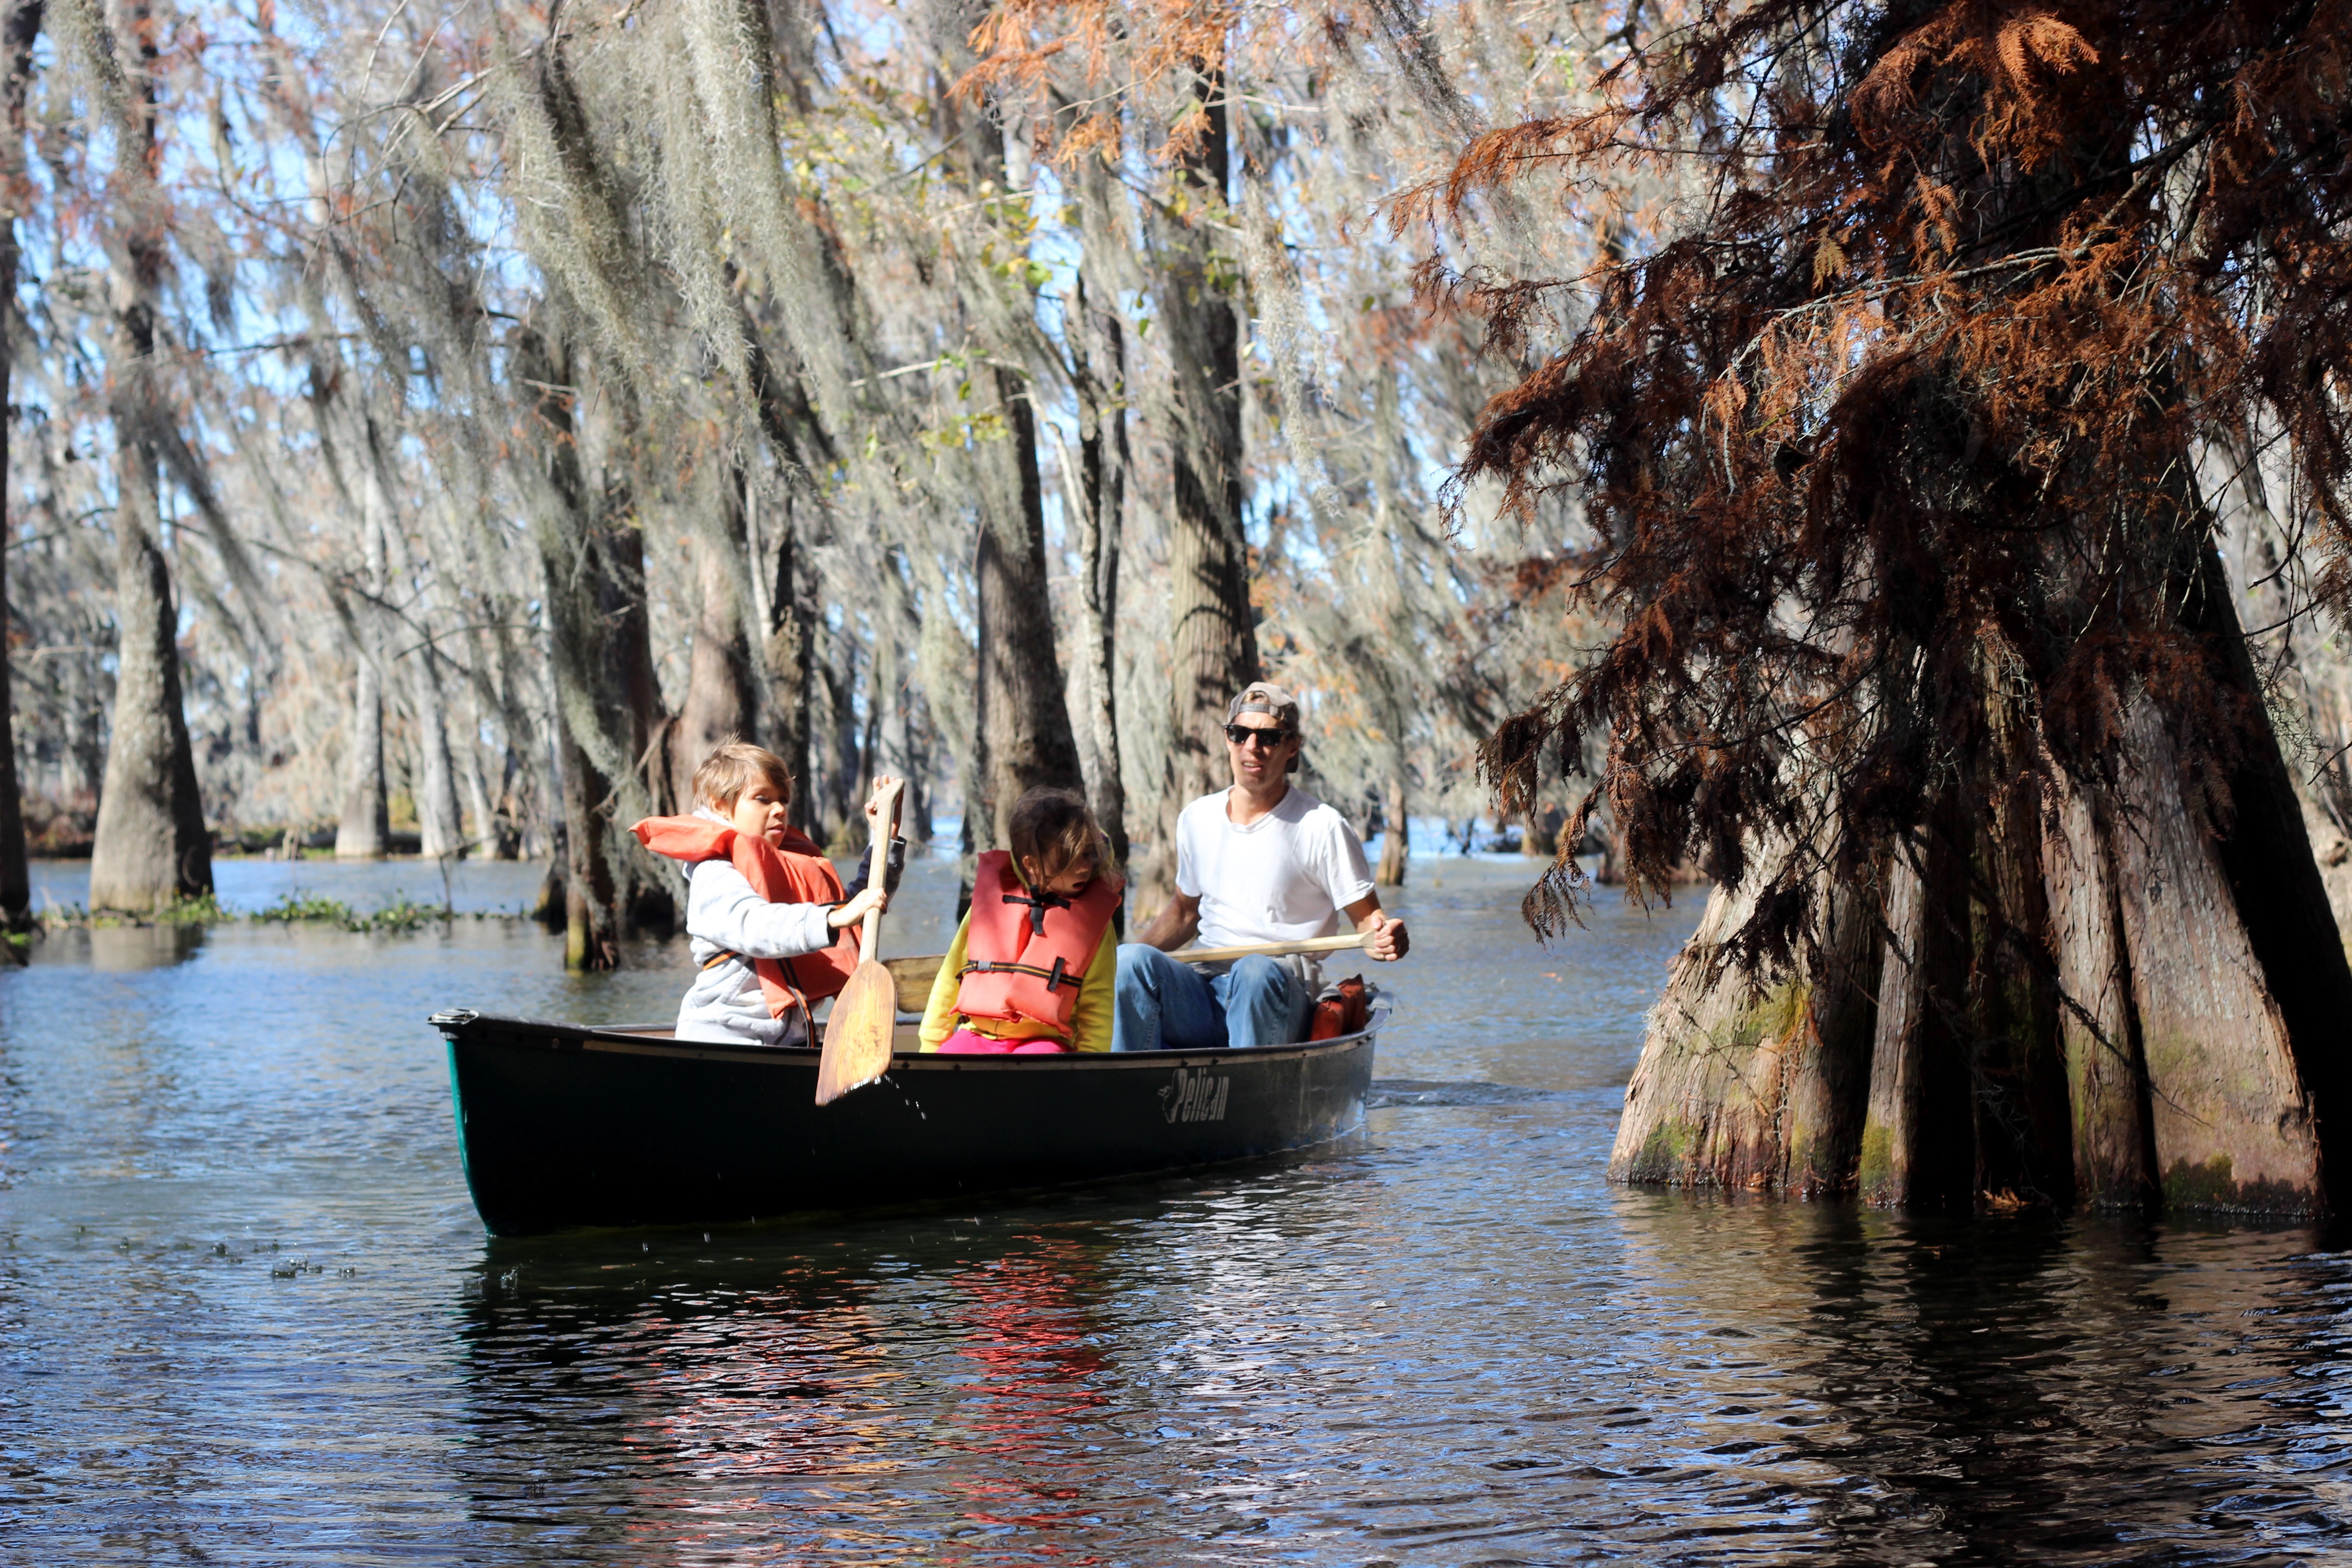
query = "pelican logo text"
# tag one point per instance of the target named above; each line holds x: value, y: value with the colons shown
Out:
x: 1194, y: 1097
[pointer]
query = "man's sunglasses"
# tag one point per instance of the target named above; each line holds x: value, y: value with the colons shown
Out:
x: 1243, y: 734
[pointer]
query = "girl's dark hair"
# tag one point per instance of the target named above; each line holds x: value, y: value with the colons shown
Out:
x: 1054, y: 827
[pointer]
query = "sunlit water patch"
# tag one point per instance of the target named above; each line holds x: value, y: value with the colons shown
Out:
x: 246, y: 1313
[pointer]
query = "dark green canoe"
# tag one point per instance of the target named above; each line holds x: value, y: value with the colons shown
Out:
x: 562, y: 1126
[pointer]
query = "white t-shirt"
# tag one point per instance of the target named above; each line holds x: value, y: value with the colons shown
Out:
x: 1284, y: 878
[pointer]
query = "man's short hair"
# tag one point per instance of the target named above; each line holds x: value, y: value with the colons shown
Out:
x: 1265, y: 697
x: 732, y: 767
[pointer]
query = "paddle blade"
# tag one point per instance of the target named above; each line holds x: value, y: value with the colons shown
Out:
x: 857, y: 1035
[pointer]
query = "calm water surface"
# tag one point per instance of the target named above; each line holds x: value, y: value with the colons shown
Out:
x: 248, y: 1316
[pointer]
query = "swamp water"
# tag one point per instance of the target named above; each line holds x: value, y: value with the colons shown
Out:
x: 248, y: 1316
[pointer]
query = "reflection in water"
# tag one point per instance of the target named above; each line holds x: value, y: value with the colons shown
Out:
x: 783, y: 1410
x: 123, y: 950
x: 1026, y: 1327
x: 246, y: 1315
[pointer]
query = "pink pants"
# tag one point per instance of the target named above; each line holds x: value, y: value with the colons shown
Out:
x: 965, y: 1043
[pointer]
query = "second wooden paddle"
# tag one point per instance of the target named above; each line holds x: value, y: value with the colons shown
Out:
x: 866, y: 1014
x: 1268, y: 948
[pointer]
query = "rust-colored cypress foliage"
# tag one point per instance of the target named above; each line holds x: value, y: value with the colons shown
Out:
x: 1886, y: 448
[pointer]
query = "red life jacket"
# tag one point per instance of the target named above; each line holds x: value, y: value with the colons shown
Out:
x: 797, y: 874
x: 1025, y: 954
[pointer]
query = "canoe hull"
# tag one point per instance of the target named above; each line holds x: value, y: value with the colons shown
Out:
x: 565, y: 1127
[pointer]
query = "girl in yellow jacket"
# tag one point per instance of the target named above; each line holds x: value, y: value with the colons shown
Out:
x: 1032, y: 970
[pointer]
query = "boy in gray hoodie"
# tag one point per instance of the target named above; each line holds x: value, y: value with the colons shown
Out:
x: 733, y: 927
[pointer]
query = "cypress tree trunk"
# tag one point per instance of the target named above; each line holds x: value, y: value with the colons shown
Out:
x: 364, y: 831
x: 440, y: 826
x: 587, y: 596
x: 440, y: 829
x: 366, y: 821
x: 20, y: 25
x: 2122, y: 999
x: 491, y: 836
x: 1024, y: 738
x: 784, y: 662
x: 1213, y: 638
x: 592, y: 913
x: 1098, y: 505
x: 1396, y: 851
x: 627, y: 646
x: 721, y: 696
x: 151, y: 846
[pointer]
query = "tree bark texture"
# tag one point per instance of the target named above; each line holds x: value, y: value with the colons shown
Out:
x: 20, y: 25
x: 366, y: 823
x: 600, y: 664
x: 1754, y: 1088
x: 491, y: 836
x: 365, y: 829
x: 722, y: 694
x: 1213, y: 637
x: 784, y: 660
x: 151, y: 847
x: 440, y: 826
x: 1099, y: 505
x: 1396, y: 845
x: 1092, y: 666
x: 2105, y: 997
x: 1024, y: 739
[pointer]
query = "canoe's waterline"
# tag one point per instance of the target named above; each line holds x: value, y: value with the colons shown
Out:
x: 561, y: 1126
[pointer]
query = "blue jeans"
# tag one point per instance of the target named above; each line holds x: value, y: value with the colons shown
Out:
x: 1162, y: 1004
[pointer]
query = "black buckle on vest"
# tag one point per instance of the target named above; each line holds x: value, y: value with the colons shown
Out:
x: 1057, y: 978
x: 1037, y: 908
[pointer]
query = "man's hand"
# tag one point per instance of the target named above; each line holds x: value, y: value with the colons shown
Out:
x: 850, y: 914
x: 1177, y: 924
x: 1385, y: 940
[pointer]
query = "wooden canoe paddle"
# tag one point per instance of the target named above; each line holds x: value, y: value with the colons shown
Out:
x: 866, y: 1014
x: 1268, y: 948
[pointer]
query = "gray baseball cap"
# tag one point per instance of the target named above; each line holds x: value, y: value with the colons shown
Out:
x: 1265, y: 697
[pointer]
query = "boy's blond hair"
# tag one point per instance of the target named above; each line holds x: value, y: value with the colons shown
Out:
x: 734, y: 764
x: 1053, y: 828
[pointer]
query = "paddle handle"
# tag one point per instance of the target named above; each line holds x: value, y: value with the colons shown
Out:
x: 1268, y: 949
x: 878, y: 875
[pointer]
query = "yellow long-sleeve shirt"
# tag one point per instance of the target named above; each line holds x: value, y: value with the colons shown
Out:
x: 1090, y: 1022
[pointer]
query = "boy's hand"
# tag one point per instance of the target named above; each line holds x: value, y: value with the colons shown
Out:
x: 874, y: 800
x: 850, y: 914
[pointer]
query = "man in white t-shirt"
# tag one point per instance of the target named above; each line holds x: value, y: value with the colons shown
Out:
x: 1258, y: 862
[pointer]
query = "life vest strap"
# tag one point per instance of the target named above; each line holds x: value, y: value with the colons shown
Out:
x: 1038, y: 904
x: 1052, y: 977
x: 720, y: 958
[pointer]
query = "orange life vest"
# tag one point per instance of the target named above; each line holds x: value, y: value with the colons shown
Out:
x: 797, y: 874
x: 1024, y: 955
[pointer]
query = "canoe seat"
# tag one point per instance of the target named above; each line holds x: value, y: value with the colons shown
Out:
x: 913, y: 977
